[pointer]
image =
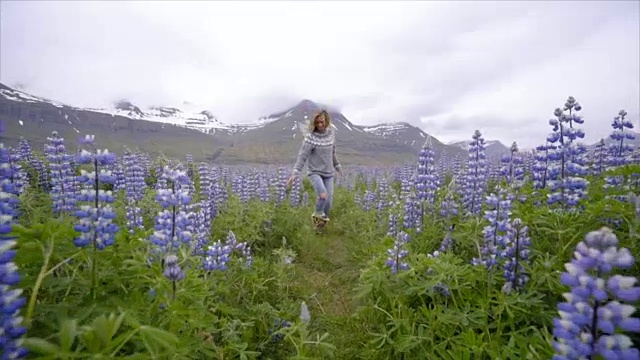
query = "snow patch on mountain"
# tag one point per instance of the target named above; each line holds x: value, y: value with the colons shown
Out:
x: 19, y: 96
x: 391, y: 129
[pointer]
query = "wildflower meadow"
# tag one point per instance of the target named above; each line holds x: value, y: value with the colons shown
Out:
x: 528, y: 256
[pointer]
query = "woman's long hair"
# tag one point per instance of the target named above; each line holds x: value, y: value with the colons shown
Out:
x: 311, y: 127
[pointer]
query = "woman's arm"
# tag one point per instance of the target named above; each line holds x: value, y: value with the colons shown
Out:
x: 336, y: 163
x: 303, y: 155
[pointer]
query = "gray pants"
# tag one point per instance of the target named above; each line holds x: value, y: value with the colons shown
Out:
x: 322, y: 184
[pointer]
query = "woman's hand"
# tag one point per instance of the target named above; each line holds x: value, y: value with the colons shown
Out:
x: 290, y: 180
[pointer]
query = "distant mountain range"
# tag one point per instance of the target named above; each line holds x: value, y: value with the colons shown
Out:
x: 175, y: 132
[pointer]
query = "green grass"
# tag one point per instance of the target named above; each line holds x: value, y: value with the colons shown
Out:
x: 358, y: 309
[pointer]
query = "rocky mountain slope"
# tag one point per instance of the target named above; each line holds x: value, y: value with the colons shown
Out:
x: 175, y: 132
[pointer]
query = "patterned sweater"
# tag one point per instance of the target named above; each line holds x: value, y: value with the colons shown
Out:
x: 319, y: 151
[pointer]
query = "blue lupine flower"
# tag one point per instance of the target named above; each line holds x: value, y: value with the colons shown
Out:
x: 172, y: 223
x: 172, y: 270
x: 426, y: 179
x: 96, y: 216
x: 63, y: 182
x: 369, y: 200
x: 294, y: 195
x: 600, y: 156
x: 135, y: 186
x: 397, y: 253
x: 594, y: 307
x: 620, y: 150
x: 446, y: 243
x: 442, y: 288
x: 412, y: 212
x: 496, y: 233
x: 516, y: 254
x: 393, y: 225
x: 25, y: 150
x: 11, y: 328
x: 449, y: 206
x: 476, y: 177
x: 568, y: 168
x: 217, y: 257
x: 540, y: 167
x: 277, y: 325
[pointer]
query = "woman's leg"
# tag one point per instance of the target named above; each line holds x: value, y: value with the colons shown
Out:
x: 328, y: 185
x: 321, y: 191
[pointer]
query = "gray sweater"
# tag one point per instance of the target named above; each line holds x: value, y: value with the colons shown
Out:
x: 319, y: 150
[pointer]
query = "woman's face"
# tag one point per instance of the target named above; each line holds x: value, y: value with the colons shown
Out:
x: 321, y: 123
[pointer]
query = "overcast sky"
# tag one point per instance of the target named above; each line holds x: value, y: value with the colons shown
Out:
x: 448, y: 67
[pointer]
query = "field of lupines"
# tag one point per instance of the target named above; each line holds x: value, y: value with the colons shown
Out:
x: 526, y: 257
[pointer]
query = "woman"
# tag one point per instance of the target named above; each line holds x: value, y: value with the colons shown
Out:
x: 319, y: 150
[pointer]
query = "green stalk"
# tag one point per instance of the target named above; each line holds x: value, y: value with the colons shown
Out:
x: 43, y: 273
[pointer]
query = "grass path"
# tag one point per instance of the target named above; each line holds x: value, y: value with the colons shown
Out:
x: 325, y: 273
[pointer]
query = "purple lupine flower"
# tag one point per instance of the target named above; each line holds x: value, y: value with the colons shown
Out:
x: 449, y: 206
x: 426, y: 179
x: 173, y: 272
x: 567, y: 173
x: 135, y: 186
x: 476, y: 177
x: 369, y: 200
x: 496, y: 233
x: 17, y: 175
x: 412, y: 212
x: 118, y: 170
x: 41, y: 175
x: 11, y: 327
x: 595, y: 311
x: 600, y: 156
x: 383, y: 195
x: 217, y: 257
x: 397, y: 253
x: 512, y: 170
x: 442, y: 288
x: 95, y: 223
x: 446, y: 243
x: 619, y: 151
x: 281, y: 185
x: 172, y: 222
x: 63, y: 192
x: 515, y: 254
x: 25, y: 150
x: 406, y: 187
x: 232, y: 243
x: 294, y: 195
x: 278, y: 324
x: 393, y: 225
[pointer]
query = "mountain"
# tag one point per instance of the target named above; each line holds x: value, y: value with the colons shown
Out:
x: 174, y: 131
x: 608, y: 141
x: 493, y: 148
x: 280, y: 134
x: 201, y: 120
x: 34, y: 118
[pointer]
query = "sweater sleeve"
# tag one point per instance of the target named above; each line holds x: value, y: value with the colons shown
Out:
x: 303, y: 155
x: 336, y: 163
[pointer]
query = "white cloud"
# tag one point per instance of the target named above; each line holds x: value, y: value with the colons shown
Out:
x: 452, y: 67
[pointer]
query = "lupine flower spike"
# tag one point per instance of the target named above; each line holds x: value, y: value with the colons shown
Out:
x: 594, y: 315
